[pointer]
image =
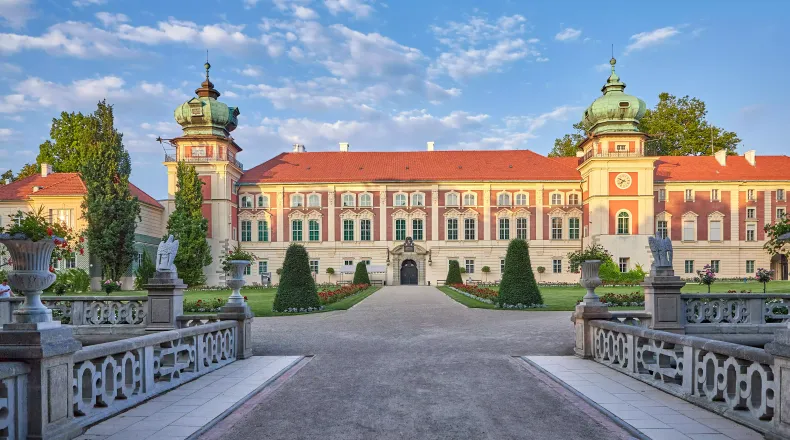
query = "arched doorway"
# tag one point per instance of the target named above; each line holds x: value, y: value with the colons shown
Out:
x: 408, y: 273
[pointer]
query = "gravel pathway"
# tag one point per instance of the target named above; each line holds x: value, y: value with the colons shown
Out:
x: 411, y: 363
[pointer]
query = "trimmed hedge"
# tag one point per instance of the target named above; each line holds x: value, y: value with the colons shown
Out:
x: 518, y: 284
x: 453, y: 274
x: 297, y: 291
x: 361, y: 274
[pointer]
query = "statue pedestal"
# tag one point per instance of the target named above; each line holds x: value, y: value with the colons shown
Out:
x: 662, y: 300
x: 165, y: 301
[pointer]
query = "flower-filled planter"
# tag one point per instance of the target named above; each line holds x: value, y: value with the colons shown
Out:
x: 34, y: 244
x: 234, y: 264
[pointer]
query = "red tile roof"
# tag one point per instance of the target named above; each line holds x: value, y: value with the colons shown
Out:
x: 431, y: 166
x: 59, y: 184
x: 706, y: 168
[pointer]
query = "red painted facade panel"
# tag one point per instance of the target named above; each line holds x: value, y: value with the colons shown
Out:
x: 206, y: 211
x: 205, y: 190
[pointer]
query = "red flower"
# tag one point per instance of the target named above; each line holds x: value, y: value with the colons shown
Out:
x: 82, y: 251
x: 245, y: 298
x: 49, y: 232
x: 82, y: 239
x: 51, y: 269
x: 57, y: 242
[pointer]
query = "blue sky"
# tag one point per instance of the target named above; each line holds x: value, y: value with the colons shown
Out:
x: 381, y: 75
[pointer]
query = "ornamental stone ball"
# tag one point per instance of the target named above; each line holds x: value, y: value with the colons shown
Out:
x: 166, y: 255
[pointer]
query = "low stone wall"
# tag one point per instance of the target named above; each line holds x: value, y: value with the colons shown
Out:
x: 745, y: 318
x: 13, y: 404
x: 733, y: 380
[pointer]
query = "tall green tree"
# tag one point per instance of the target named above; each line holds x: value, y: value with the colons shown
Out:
x: 773, y: 231
x: 297, y: 291
x: 144, y: 271
x: 28, y: 169
x: 7, y: 177
x: 361, y: 274
x: 189, y: 227
x: 71, y: 135
x: 518, y: 284
x: 677, y: 127
x: 110, y: 209
x: 453, y: 274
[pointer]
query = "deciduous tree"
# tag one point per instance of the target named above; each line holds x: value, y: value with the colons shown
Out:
x: 187, y: 225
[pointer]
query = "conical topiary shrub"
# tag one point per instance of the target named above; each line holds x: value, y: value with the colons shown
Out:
x: 454, y: 274
x: 518, y: 284
x: 361, y: 274
x: 296, y: 291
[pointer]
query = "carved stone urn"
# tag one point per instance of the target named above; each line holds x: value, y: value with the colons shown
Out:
x: 31, y: 275
x: 590, y: 280
x: 236, y: 281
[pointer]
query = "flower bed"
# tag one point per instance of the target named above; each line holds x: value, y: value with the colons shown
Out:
x: 633, y: 299
x: 208, y: 306
x: 330, y: 296
x: 489, y: 296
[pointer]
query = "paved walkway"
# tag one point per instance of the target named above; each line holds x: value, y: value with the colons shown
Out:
x: 410, y: 363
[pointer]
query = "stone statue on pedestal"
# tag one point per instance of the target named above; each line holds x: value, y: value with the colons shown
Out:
x: 166, y: 255
x: 661, y: 248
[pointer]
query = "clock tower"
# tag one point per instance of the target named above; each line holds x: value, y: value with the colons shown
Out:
x: 207, y: 145
x: 617, y: 176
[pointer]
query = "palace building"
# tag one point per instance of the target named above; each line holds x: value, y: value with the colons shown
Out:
x: 351, y: 206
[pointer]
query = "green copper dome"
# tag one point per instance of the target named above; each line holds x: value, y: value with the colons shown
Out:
x: 206, y: 115
x: 615, y: 111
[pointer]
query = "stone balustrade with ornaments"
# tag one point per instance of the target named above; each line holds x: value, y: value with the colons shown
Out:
x: 13, y: 409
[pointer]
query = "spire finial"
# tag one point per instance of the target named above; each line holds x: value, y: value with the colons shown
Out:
x: 612, y: 61
x: 207, y: 65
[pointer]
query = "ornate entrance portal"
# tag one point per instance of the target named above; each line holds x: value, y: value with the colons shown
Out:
x: 408, y: 273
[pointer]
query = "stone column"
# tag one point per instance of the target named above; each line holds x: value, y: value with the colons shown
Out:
x: 780, y: 349
x: 662, y: 300
x: 165, y: 301
x: 589, y: 309
x: 242, y: 314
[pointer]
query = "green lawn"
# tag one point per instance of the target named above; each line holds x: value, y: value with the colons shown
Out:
x: 565, y: 297
x: 260, y: 300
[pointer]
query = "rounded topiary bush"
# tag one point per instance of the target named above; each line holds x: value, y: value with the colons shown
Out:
x: 361, y: 274
x: 518, y: 284
x: 454, y: 274
x: 297, y: 291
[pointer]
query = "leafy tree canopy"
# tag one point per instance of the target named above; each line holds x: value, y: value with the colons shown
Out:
x: 72, y: 134
x: 189, y: 227
x: 591, y: 252
x: 775, y: 230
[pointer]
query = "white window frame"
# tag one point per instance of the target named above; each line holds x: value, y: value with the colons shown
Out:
x: 630, y: 218
x: 752, y: 264
x: 662, y: 195
x: 249, y: 230
x: 688, y: 266
x: 315, y: 263
x: 263, y: 201
x: 318, y: 221
x: 689, y: 217
x: 556, y: 265
x: 751, y: 195
x: 781, y: 195
x: 665, y: 217
x: 751, y: 210
x: 458, y: 224
x: 553, y: 228
x: 395, y: 228
x: 366, y: 200
x: 624, y: 263
x: 450, y: 194
x: 751, y: 227
x: 469, y: 265
x: 715, y: 195
x: 348, y: 200
x: 400, y: 195
x: 578, y: 228
x: 714, y: 217
x: 246, y: 201
x: 521, y: 194
x: 471, y: 194
x: 474, y: 229
x: 311, y: 199
x: 422, y: 229
x: 526, y: 228
x: 504, y: 198
x: 556, y: 198
x: 577, y: 196
x: 500, y: 231
x: 417, y: 196
x: 297, y: 200
x: 781, y: 211
x: 688, y: 195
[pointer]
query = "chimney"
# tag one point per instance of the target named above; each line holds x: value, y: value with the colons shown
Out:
x: 721, y: 157
x: 431, y: 145
x: 46, y: 169
x: 344, y: 146
x: 299, y: 148
x: 751, y: 157
x: 579, y: 153
x: 36, y: 188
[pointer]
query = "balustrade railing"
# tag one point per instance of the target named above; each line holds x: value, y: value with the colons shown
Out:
x: 734, y: 380
x: 233, y: 160
x: 639, y: 318
x: 185, y: 321
x: 86, y: 310
x: 735, y: 308
x: 13, y: 400
x: 111, y: 377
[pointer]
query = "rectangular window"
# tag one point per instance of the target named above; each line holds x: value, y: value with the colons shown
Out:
x: 751, y: 232
x: 400, y: 229
x: 348, y: 230
x: 246, y: 230
x: 573, y: 228
x: 780, y: 194
x: 247, y: 270
x: 751, y: 213
x: 522, y: 228
x: 714, y: 195
x: 621, y: 147
x: 750, y: 194
x: 416, y: 229
x: 688, y: 230
x: 749, y: 266
x: 689, y: 195
x: 501, y: 265
x: 263, y: 230
x: 313, y: 230
x: 452, y: 229
x: 662, y: 195
x: 714, y: 266
x: 62, y: 216
x: 367, y: 262
x: 715, y: 231
x: 470, y: 229
x: 689, y: 266
x: 556, y: 265
x: 662, y: 229
x: 364, y: 230
x: 504, y: 229
x: 263, y: 267
x: 556, y: 228
x: 296, y: 230
x: 313, y: 266
x: 780, y: 212
x: 624, y: 262
x: 470, y: 266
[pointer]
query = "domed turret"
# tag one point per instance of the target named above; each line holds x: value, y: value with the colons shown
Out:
x: 615, y: 111
x: 206, y: 115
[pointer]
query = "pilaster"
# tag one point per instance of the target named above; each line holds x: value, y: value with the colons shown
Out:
x: 383, y: 213
x: 434, y: 235
x: 735, y: 218
x: 281, y: 214
x: 330, y: 203
x: 487, y: 213
x: 539, y: 213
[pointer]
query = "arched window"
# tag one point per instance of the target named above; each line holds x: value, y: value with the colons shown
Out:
x: 573, y: 199
x: 556, y: 199
x: 348, y: 200
x: 246, y: 202
x: 263, y: 201
x: 400, y: 199
x: 452, y: 199
x: 521, y: 199
x: 417, y: 199
x: 624, y: 223
x: 297, y: 201
x: 314, y: 201
x: 503, y: 199
x: 470, y: 199
x: 365, y: 200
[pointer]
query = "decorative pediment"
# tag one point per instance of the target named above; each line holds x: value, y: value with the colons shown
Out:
x: 716, y: 215
x: 574, y: 212
x: 557, y: 212
x: 350, y: 214
x: 246, y: 215
x: 470, y: 213
x: 690, y: 215
x: 419, y: 250
x: 452, y: 213
x: 663, y: 216
x: 312, y: 214
x: 522, y: 213
x: 418, y: 213
x: 504, y: 213
x: 398, y: 213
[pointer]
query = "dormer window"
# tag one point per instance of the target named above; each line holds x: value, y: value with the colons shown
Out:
x: 314, y: 201
x: 348, y: 200
x: 365, y: 200
x: 297, y: 201
x: 417, y: 199
x: 400, y: 199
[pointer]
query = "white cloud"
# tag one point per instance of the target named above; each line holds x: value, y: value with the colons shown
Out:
x: 72, y: 38
x: 15, y: 13
x: 473, y: 62
x: 175, y: 31
x: 5, y: 133
x: 109, y: 19
x: 250, y: 3
x: 358, y: 8
x: 84, y: 3
x: 533, y: 123
x: 655, y: 37
x: 304, y: 13
x: 10, y: 68
x: 479, y: 29
x: 568, y: 34
x: 251, y: 71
